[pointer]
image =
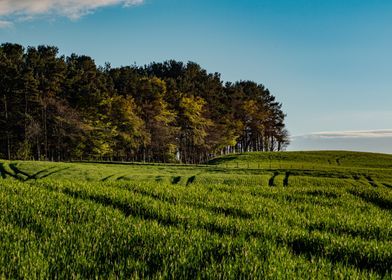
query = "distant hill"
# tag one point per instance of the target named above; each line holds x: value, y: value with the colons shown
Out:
x: 306, y: 159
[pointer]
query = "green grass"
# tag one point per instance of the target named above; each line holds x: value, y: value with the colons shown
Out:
x: 300, y: 218
x: 308, y: 160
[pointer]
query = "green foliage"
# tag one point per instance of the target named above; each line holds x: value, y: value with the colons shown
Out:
x: 61, y: 108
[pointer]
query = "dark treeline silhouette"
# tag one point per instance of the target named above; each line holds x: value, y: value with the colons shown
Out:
x: 62, y: 108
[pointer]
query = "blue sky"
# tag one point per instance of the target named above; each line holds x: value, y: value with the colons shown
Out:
x: 328, y: 61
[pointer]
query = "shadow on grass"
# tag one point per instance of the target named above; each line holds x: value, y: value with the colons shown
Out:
x: 271, y: 181
x: 4, y: 173
x: 371, y: 181
x: 230, y: 211
x: 387, y: 185
x: 123, y: 177
x: 51, y: 173
x: 107, y: 177
x: 23, y: 176
x: 17, y: 171
x: 286, y: 179
x: 190, y: 180
x: 374, y: 198
x: 221, y: 160
x: 175, y: 180
x: 341, y: 229
x: 36, y: 175
x: 227, y: 211
x: 144, y: 211
x: 316, y: 247
x: 135, y: 209
x: 159, y: 178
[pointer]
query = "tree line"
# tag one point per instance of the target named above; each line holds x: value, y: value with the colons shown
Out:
x: 63, y: 108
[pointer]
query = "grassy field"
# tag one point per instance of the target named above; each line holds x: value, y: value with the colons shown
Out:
x: 303, y: 215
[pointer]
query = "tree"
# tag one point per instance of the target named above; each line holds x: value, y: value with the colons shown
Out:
x: 49, y: 72
x: 11, y: 59
x: 60, y: 108
x: 193, y: 129
x: 158, y: 119
x: 131, y: 131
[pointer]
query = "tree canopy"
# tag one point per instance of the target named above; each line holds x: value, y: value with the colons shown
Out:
x: 61, y: 108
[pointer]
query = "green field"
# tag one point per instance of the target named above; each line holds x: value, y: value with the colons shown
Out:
x: 303, y: 215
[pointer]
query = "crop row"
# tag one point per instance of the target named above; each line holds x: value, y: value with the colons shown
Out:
x: 58, y: 229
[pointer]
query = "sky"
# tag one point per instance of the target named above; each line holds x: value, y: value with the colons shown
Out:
x: 328, y: 61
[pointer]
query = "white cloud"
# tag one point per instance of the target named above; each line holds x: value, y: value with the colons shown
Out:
x: 351, y: 134
x: 379, y: 141
x: 5, y: 24
x: 72, y: 9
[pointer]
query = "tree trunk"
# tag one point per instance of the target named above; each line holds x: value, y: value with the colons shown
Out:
x: 7, y: 127
x: 44, y: 121
x: 38, y: 149
x: 25, y: 117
